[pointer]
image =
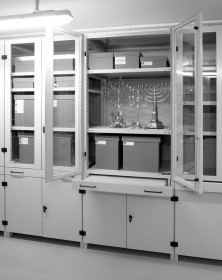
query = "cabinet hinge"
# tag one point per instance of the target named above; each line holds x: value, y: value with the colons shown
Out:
x: 43, y: 129
x: 4, y: 184
x: 82, y: 233
x: 174, y: 244
x: 4, y: 56
x: 196, y: 180
x: 4, y: 223
x: 84, y: 154
x: 174, y: 198
x: 82, y: 191
x: 195, y: 27
x: 177, y: 49
x: 4, y: 150
x: 85, y: 53
x: 177, y: 158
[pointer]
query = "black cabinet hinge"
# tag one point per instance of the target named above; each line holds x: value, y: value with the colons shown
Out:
x: 4, y: 56
x: 4, y: 150
x: 177, y: 158
x: 82, y: 233
x: 82, y: 191
x: 196, y: 27
x: 196, y: 180
x: 43, y: 129
x: 85, y: 53
x: 4, y: 223
x: 174, y: 198
x: 177, y: 49
x: 4, y: 184
x: 174, y: 244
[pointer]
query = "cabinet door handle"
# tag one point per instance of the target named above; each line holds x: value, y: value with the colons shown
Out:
x: 130, y: 218
x: 90, y: 187
x: 44, y: 208
x: 17, y: 173
x: 153, y: 191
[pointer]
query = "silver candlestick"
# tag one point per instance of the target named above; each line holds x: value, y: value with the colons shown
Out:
x: 156, y: 92
x: 115, y: 93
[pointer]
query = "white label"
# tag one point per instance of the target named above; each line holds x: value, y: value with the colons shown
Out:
x: 55, y: 103
x: 120, y: 60
x: 19, y: 106
x: 148, y: 63
x: 128, y: 143
x: 24, y: 141
x: 101, y: 142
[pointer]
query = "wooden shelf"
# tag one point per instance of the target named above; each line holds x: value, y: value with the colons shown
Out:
x: 23, y: 128
x: 22, y: 74
x: 128, y: 130
x: 64, y: 73
x: 205, y: 133
x: 64, y: 89
x: 94, y: 91
x: 63, y: 129
x: 22, y: 89
x: 205, y: 103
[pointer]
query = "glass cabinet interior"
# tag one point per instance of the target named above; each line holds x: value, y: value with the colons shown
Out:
x: 123, y: 73
x: 23, y: 96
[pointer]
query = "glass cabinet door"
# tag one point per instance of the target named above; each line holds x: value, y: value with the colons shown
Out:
x: 187, y: 104
x: 23, y: 103
x: 63, y: 104
x: 2, y: 106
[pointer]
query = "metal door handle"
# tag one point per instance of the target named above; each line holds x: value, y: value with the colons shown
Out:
x: 91, y: 187
x: 44, y: 208
x: 130, y: 218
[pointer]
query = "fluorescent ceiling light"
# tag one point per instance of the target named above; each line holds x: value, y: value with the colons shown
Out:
x: 35, y: 20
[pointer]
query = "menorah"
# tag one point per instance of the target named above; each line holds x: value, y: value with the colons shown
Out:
x: 138, y: 101
x: 115, y: 93
x: 156, y: 92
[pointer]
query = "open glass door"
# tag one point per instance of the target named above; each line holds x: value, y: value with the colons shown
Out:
x: 63, y: 104
x: 187, y: 131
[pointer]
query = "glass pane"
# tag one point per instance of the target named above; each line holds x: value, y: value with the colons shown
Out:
x: 22, y: 102
x: 209, y: 104
x: 186, y: 98
x: 64, y: 101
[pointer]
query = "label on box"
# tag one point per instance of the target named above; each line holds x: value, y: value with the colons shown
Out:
x: 99, y: 142
x: 125, y: 143
x: 120, y: 60
x: 147, y: 63
x: 55, y: 103
x: 19, y: 106
x: 24, y: 141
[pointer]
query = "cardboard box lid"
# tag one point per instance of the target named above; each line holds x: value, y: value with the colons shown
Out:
x: 64, y: 97
x: 100, y: 54
x: 141, y: 139
x: 129, y: 53
x: 153, y: 58
x: 24, y: 97
x: 106, y: 138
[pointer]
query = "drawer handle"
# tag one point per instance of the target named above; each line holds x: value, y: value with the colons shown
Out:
x: 17, y: 173
x: 153, y: 191
x: 90, y: 187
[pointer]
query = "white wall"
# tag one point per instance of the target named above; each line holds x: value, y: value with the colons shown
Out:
x: 111, y: 13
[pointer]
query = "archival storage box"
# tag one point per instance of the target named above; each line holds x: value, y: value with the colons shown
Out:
x: 24, y: 110
x: 26, y: 148
x: 141, y: 153
x: 64, y: 111
x: 154, y: 61
x: 123, y: 60
x: 108, y: 152
x: 101, y: 60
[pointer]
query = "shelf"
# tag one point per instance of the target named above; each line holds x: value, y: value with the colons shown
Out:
x: 64, y: 73
x: 205, y: 103
x: 64, y: 56
x: 64, y: 89
x: 124, y: 73
x: 128, y: 130
x: 22, y: 74
x: 124, y: 173
x: 22, y: 128
x: 64, y: 129
x: 22, y: 89
x: 205, y: 133
x: 94, y: 91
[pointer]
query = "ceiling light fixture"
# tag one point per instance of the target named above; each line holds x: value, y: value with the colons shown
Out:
x: 36, y: 19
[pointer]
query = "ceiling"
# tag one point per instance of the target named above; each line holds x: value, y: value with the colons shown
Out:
x: 112, y: 13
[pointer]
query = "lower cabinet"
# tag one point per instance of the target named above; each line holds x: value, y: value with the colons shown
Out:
x: 104, y: 218
x: 199, y: 224
x: 23, y: 205
x: 150, y: 223
x: 61, y: 211
x: 2, y: 203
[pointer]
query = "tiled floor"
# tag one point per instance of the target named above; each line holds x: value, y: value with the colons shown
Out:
x: 39, y: 259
